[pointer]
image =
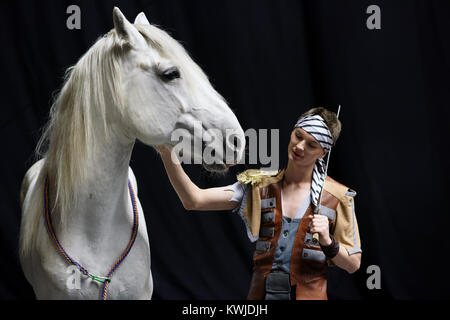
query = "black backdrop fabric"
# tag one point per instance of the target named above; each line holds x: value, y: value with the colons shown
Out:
x: 271, y: 60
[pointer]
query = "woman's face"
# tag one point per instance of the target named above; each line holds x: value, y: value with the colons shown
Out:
x: 303, y: 148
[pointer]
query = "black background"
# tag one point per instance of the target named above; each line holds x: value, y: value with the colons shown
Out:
x: 271, y: 60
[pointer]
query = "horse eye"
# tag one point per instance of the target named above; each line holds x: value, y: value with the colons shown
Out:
x: 170, y: 74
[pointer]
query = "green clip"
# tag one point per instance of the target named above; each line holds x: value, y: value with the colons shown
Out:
x: 99, y: 279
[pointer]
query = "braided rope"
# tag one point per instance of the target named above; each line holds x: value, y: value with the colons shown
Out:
x: 130, y: 244
x: 106, y: 280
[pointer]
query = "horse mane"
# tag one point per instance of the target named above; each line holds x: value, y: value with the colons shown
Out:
x: 69, y: 133
x: 68, y: 140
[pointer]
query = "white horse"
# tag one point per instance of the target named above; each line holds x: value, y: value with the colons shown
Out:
x: 136, y: 82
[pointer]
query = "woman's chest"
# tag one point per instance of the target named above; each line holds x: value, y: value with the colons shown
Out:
x: 294, y: 204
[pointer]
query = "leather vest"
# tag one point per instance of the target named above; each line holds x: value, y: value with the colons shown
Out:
x: 308, y: 266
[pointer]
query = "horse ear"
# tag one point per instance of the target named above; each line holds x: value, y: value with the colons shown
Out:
x: 126, y: 31
x: 141, y: 19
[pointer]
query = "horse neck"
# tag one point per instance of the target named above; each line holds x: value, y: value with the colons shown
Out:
x: 104, y: 201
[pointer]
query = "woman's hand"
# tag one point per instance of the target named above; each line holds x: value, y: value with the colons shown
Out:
x: 350, y: 263
x: 319, y: 224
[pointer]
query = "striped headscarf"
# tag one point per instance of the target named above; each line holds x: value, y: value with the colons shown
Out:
x: 316, y: 126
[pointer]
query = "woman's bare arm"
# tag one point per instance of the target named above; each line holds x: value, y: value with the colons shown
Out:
x: 193, y: 197
x: 350, y: 263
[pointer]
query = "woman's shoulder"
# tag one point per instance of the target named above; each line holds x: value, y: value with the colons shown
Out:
x: 338, y: 189
x: 259, y: 176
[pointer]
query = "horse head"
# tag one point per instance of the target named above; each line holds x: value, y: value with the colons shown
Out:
x: 164, y: 90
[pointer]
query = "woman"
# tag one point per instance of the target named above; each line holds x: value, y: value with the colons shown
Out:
x: 278, y: 211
